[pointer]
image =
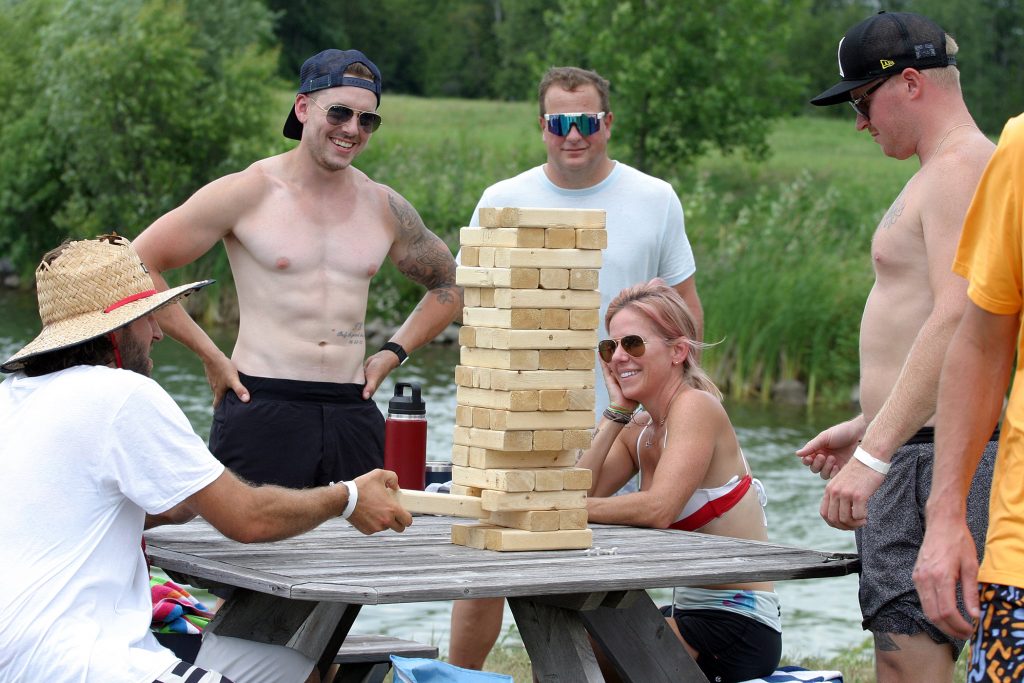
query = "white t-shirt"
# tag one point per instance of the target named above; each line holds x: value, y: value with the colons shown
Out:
x: 644, y: 220
x: 85, y: 453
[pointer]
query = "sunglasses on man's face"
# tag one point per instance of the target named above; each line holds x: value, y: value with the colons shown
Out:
x: 633, y: 344
x: 862, y: 105
x: 586, y: 124
x: 339, y: 114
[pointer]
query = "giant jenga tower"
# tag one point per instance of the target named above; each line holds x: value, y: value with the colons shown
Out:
x: 525, y: 380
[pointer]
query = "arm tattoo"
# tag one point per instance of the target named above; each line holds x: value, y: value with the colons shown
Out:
x: 426, y: 260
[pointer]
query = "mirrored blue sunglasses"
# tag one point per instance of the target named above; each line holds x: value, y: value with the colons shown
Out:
x: 586, y: 124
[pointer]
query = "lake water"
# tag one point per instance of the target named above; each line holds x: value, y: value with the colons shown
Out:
x: 820, y: 616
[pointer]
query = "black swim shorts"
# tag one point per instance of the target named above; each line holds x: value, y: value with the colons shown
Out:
x: 730, y: 646
x: 298, y: 434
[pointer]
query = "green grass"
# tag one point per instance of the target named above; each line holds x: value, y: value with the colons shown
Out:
x: 857, y: 664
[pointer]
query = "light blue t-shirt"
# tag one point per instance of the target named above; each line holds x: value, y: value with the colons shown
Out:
x: 644, y: 220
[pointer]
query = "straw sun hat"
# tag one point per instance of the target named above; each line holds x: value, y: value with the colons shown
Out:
x: 91, y: 288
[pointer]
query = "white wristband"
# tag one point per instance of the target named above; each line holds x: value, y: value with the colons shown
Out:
x: 871, y: 461
x: 353, y: 498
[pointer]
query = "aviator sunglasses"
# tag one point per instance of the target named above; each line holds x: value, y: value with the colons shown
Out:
x: 338, y: 114
x: 633, y: 344
x: 586, y: 124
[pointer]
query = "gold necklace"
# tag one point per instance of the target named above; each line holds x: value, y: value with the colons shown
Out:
x: 939, y: 146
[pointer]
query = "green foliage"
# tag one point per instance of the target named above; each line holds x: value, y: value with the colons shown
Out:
x: 121, y: 109
x: 686, y: 77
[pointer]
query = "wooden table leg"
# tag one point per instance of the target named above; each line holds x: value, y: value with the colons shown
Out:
x: 637, y: 639
x: 317, y: 630
x: 556, y: 642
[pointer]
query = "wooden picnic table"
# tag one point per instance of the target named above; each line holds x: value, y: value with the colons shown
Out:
x: 306, y: 591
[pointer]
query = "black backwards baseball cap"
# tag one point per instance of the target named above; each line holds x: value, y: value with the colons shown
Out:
x: 327, y: 70
x: 882, y: 45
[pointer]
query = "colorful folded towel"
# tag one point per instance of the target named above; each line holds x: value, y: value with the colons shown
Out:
x: 794, y: 674
x: 175, y: 610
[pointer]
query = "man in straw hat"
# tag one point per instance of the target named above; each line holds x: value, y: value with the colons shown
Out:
x: 93, y: 451
x: 305, y: 233
x: 899, y: 74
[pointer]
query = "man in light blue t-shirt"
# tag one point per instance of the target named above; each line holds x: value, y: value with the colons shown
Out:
x: 646, y: 239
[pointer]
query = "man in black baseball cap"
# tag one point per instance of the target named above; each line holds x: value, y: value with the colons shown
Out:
x: 900, y: 76
x: 305, y: 232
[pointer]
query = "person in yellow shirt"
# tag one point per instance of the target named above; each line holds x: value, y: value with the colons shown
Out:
x: 975, y: 375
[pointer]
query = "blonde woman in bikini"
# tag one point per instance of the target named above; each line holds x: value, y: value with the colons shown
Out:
x: 667, y: 423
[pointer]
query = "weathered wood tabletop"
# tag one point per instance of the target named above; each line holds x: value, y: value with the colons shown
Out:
x: 555, y: 595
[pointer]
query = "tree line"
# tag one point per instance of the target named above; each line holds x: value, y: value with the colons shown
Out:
x: 117, y: 110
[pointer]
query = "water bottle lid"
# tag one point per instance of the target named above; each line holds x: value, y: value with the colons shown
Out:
x: 407, y: 405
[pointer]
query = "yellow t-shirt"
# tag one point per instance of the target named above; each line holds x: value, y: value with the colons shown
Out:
x: 990, y: 256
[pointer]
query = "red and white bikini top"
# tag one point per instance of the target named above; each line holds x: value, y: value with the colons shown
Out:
x: 708, y: 504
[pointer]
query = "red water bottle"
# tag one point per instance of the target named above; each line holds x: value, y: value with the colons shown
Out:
x: 405, y: 437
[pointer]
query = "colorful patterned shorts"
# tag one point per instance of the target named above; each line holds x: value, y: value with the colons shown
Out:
x: 183, y: 672
x: 997, y: 653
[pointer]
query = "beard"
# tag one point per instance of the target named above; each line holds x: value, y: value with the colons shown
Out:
x: 135, y: 356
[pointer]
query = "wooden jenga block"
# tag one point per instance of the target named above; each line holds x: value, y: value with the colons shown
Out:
x: 495, y: 439
x: 484, y: 458
x: 464, y: 416
x: 486, y: 256
x: 545, y: 298
x: 576, y: 438
x: 551, y: 318
x: 508, y: 257
x: 529, y: 520
x: 579, y: 359
x: 460, y: 455
x: 514, y: 217
x: 553, y: 399
x: 482, y: 418
x: 563, y: 478
x: 560, y: 238
x: 518, y: 400
x: 539, y: 420
x: 487, y: 298
x: 509, y: 318
x: 583, y: 319
x: 476, y: 337
x: 513, y: 540
x: 459, y: 490
x: 467, y: 336
x: 576, y: 478
x: 586, y: 239
x: 553, y: 359
x: 583, y: 278
x: 516, y: 278
x: 509, y: 380
x: 521, y: 359
x: 548, y: 480
x: 501, y: 501
x: 572, y: 519
x: 470, y: 256
x: 504, y: 237
x: 470, y: 296
x: 470, y: 535
x: 548, y: 440
x: 497, y: 480
x: 441, y: 504
x: 555, y: 278
x: 577, y: 399
x: 539, y: 339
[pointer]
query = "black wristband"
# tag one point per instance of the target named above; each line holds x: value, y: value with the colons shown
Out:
x: 396, y: 348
